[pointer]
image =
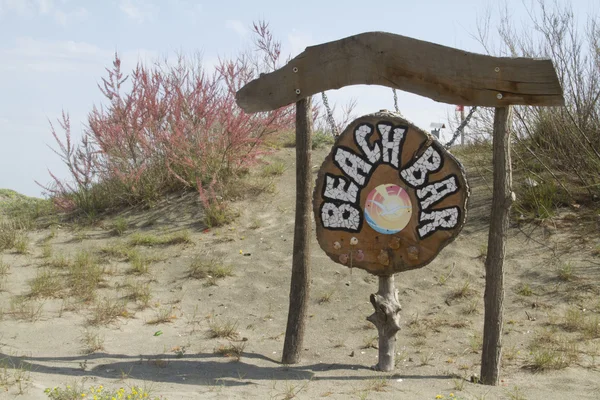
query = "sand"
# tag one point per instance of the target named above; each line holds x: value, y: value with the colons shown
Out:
x: 438, y: 348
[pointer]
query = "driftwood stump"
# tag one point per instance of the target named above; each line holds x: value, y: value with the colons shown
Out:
x: 387, y: 320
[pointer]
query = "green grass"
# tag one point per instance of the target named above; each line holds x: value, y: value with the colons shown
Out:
x: 141, y: 239
x: 273, y: 169
x: 565, y: 272
x: 108, y: 310
x: 322, y: 139
x: 119, y: 226
x: 234, y: 350
x: 203, y: 267
x: 226, y: 330
x: 84, y: 276
x: 139, y: 264
x: 47, y: 284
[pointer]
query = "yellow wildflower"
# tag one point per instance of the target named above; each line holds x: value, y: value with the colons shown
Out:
x: 439, y: 396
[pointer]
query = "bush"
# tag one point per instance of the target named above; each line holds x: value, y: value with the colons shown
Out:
x: 559, y: 146
x: 177, y: 127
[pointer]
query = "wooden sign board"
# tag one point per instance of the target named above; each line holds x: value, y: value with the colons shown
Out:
x: 388, y: 197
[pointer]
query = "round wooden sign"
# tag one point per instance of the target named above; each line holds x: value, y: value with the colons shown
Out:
x: 388, y: 197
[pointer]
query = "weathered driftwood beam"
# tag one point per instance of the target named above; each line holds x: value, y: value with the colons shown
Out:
x: 494, y: 263
x: 387, y: 320
x: 441, y: 73
x: 299, y: 288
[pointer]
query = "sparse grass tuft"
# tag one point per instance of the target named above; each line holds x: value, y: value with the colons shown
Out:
x: 108, y: 310
x: 273, y: 169
x: 203, y: 267
x: 119, y: 226
x: 46, y: 284
x: 46, y: 251
x: 3, y: 268
x: 139, y: 263
x: 23, y: 308
x: 462, y: 292
x: 565, y: 272
x: 234, y: 350
x: 84, y: 276
x: 140, y: 293
x: 21, y: 244
x: 162, y: 316
x: 60, y: 262
x: 91, y: 342
x: 226, y: 330
x: 371, y: 342
x: 140, y: 239
x: 77, y: 390
x: 325, y: 297
x: 524, y: 290
x: 322, y: 139
x: 218, y: 213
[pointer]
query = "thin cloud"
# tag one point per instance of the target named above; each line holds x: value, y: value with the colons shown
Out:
x: 138, y: 10
x: 44, y: 8
x: 299, y: 41
x: 237, y: 26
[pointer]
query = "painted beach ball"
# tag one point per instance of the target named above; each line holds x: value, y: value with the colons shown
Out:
x: 388, y: 209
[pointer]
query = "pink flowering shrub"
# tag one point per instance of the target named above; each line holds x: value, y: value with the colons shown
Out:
x: 176, y: 127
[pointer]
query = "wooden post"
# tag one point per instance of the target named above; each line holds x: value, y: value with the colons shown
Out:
x: 299, y: 288
x: 494, y: 262
x: 387, y: 320
x: 462, y: 131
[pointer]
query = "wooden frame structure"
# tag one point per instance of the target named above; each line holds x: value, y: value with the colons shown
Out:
x: 441, y: 73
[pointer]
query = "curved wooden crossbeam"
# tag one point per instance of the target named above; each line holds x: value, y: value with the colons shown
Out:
x: 441, y: 73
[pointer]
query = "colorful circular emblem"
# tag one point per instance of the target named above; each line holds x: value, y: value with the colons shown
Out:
x: 388, y: 209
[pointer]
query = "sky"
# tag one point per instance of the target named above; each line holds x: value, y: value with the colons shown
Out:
x: 53, y: 53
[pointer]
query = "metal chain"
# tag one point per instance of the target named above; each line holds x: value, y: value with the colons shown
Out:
x: 396, y: 101
x: 330, y: 119
x: 461, y: 127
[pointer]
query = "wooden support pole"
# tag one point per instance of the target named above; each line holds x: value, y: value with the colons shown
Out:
x: 494, y: 262
x: 387, y: 320
x: 299, y: 288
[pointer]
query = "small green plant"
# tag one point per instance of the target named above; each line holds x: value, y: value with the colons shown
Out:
x: 78, y: 391
x: 140, y: 239
x: 46, y: 284
x: 84, y: 276
x: 234, y: 350
x: 476, y: 343
x: 140, y: 293
x: 371, y: 342
x: 60, y: 262
x: 524, y: 290
x: 463, y: 292
x: 108, y: 310
x: 119, y: 226
x: 139, y: 264
x: 217, y: 213
x: 204, y: 267
x: 273, y: 169
x: 471, y: 308
x: 325, y: 297
x: 21, y: 244
x: 162, y: 316
x: 23, y: 308
x: 565, y: 272
x: 91, y: 342
x: 46, y: 251
x: 9, y: 231
x: 226, y: 330
x: 322, y: 139
x: 3, y: 268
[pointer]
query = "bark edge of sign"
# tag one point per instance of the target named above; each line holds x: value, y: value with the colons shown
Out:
x: 442, y: 73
